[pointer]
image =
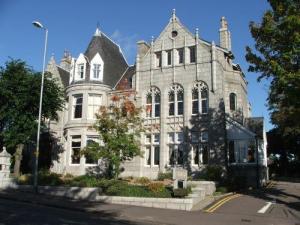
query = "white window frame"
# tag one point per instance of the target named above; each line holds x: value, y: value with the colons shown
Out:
x: 95, y: 138
x: 80, y: 62
x: 97, y: 60
x: 95, y: 107
x: 153, y: 92
x: 154, y: 142
x: 199, y: 87
x: 79, y: 139
x: 176, y: 88
x: 175, y: 144
x: 74, y: 104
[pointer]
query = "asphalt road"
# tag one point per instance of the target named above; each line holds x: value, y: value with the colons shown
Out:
x: 283, y: 209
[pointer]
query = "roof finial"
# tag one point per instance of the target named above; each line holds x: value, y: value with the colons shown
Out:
x: 197, y: 33
x: 174, y: 14
x: 223, y: 22
x: 97, y: 32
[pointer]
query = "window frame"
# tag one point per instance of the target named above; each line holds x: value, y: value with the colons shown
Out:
x: 232, y: 102
x: 199, y: 88
x: 73, y: 140
x: 176, y: 89
x: 153, y: 108
x: 93, y: 105
x: 74, y: 105
x: 152, y: 146
x: 192, y: 53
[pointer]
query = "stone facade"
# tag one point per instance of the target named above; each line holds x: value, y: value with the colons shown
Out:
x: 194, y: 96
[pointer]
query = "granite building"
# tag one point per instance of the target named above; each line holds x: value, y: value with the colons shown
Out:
x: 194, y: 95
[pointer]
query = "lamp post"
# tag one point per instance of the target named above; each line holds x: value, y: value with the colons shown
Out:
x: 35, y: 182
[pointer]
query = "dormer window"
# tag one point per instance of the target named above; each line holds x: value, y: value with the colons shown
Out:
x: 96, y: 71
x: 80, y: 71
x: 97, y: 66
x: 80, y: 68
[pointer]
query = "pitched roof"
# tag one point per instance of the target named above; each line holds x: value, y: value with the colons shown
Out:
x: 126, y: 79
x: 64, y: 76
x: 114, y: 61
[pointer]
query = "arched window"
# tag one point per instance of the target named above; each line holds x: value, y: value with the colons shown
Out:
x: 232, y: 101
x: 176, y: 100
x: 153, y: 102
x: 200, y: 98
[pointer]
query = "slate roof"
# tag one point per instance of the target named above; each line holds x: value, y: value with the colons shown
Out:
x: 64, y: 76
x: 125, y: 81
x: 114, y: 61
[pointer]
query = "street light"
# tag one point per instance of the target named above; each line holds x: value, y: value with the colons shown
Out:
x: 35, y: 182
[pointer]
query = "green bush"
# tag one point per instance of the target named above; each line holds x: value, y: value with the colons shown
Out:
x: 163, y: 176
x: 49, y: 179
x: 124, y: 189
x: 83, y: 181
x: 212, y: 173
x: 180, y: 192
x: 222, y: 190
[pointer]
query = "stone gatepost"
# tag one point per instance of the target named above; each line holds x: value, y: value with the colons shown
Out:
x: 4, y: 168
x: 179, y: 177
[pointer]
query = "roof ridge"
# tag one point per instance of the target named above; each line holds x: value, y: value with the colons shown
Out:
x: 120, y: 49
x: 62, y: 68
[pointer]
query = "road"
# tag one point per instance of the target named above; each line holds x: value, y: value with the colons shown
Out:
x: 277, y: 205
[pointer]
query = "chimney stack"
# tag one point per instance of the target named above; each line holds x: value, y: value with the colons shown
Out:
x: 225, y: 38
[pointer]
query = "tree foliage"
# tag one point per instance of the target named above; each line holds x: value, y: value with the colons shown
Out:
x: 19, y: 102
x: 119, y: 126
x: 277, y: 57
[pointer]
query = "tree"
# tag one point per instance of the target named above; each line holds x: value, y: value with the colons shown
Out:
x: 119, y: 126
x: 277, y: 58
x: 19, y: 101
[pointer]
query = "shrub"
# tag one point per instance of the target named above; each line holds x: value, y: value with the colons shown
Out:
x: 142, y: 180
x: 163, y: 176
x: 49, y: 179
x: 24, y: 179
x: 180, y: 192
x: 214, y: 173
x: 83, y: 181
x: 222, y: 190
x: 156, y: 187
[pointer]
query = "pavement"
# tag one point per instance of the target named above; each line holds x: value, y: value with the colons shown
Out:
x: 280, y: 204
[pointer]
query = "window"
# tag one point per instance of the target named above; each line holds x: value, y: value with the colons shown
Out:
x: 153, y: 102
x: 232, y: 101
x: 180, y: 52
x: 75, y: 149
x: 91, y: 141
x: 192, y: 54
x: 231, y: 152
x: 148, y: 155
x: 77, y: 106
x: 176, y: 148
x: 152, y: 149
x: 94, y: 103
x: 176, y: 106
x: 200, y: 150
x: 242, y: 151
x: 200, y: 98
x: 80, y: 71
x: 169, y: 55
x: 158, y: 59
x: 96, y: 71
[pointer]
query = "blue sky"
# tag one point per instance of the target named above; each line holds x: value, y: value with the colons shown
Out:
x: 71, y: 25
